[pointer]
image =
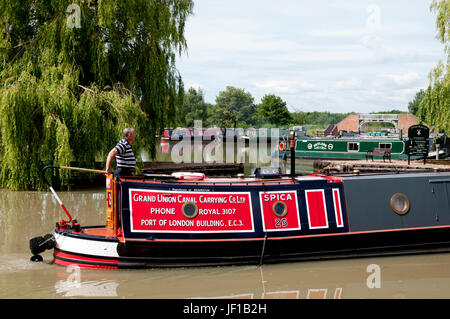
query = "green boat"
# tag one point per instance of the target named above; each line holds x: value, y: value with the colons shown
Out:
x: 344, y: 148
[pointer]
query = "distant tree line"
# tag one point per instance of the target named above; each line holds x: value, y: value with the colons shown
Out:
x: 236, y: 107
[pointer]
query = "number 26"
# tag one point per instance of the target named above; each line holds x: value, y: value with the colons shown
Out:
x: 280, y: 222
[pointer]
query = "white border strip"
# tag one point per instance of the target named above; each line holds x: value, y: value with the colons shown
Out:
x: 96, y: 248
x: 336, y: 206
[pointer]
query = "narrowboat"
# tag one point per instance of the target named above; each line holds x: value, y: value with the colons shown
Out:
x: 188, y: 219
x: 345, y: 148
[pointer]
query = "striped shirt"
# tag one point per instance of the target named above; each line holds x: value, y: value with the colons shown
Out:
x: 125, y: 158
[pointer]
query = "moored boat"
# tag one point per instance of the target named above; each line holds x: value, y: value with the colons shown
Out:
x: 188, y: 219
x: 346, y: 147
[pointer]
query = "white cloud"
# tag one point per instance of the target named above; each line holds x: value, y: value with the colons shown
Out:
x: 402, y: 80
x: 349, y: 84
x: 342, y: 33
x: 346, y: 56
x: 284, y: 86
x: 330, y: 56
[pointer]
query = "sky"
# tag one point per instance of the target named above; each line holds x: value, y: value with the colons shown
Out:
x: 336, y: 56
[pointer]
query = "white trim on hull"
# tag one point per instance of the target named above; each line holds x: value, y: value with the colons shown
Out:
x: 92, y: 247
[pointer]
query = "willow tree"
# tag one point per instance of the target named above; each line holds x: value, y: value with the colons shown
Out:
x: 434, y: 108
x: 74, y: 73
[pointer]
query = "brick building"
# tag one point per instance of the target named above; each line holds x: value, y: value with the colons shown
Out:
x: 356, y: 122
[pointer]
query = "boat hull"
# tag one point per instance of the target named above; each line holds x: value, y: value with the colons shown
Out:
x: 85, y: 250
x: 157, y: 254
x: 343, y: 155
x: 254, y: 222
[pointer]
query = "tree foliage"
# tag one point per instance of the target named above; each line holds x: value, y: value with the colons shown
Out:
x: 67, y: 92
x: 434, y: 108
x: 322, y: 118
x: 442, y: 10
x: 194, y: 108
x: 233, y: 106
x: 273, y: 109
x: 413, y: 106
x: 394, y: 111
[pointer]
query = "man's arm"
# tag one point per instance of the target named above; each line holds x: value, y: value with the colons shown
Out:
x: 111, y: 155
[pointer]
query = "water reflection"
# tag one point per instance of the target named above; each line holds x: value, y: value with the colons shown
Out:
x: 216, y: 151
x: 401, y: 277
x: 73, y: 286
x: 252, y: 155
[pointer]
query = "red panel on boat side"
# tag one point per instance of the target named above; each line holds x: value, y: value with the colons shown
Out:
x: 287, y: 217
x: 317, y: 211
x: 157, y: 211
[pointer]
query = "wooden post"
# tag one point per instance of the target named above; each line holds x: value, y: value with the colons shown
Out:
x: 292, y: 146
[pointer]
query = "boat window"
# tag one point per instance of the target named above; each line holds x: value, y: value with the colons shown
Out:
x: 386, y: 145
x: 353, y: 146
x: 190, y: 210
x: 279, y: 209
x: 400, y: 203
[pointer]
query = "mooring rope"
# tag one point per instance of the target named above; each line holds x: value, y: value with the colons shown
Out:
x: 263, y: 249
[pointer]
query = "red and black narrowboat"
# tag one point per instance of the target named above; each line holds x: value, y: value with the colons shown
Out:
x: 188, y: 219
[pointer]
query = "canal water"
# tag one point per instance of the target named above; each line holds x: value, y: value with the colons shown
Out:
x: 24, y: 215
x: 252, y: 155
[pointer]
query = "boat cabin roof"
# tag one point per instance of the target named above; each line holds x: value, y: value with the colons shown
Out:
x: 282, y: 180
